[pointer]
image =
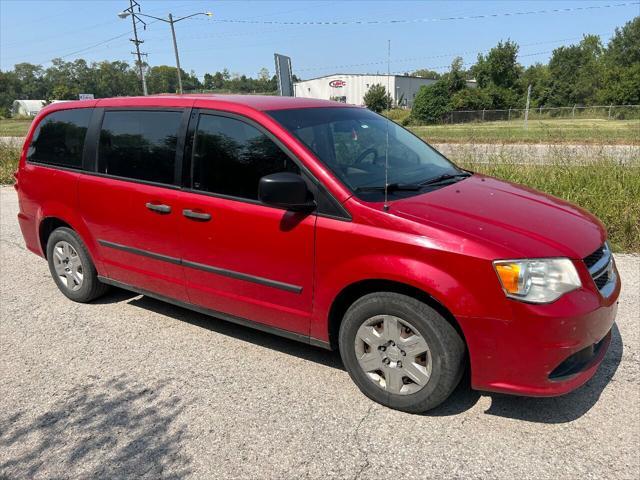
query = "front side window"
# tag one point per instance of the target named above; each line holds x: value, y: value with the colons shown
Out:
x: 230, y: 156
x: 140, y: 145
x: 59, y: 138
x: 356, y: 144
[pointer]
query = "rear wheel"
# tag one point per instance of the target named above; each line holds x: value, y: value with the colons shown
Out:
x: 72, y: 268
x: 401, y: 352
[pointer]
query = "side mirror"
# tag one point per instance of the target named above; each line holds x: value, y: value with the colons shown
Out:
x: 285, y: 190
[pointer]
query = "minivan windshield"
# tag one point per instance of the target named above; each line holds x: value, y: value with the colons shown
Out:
x: 352, y: 142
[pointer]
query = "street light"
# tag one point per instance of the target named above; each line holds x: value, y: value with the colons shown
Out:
x: 171, y: 21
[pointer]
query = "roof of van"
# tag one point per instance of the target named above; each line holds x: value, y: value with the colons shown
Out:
x: 256, y: 102
x: 271, y: 102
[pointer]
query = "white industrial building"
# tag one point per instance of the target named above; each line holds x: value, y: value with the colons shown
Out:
x: 27, y: 108
x: 30, y: 108
x: 350, y: 88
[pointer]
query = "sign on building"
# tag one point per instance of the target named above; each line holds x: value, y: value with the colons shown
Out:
x: 86, y: 96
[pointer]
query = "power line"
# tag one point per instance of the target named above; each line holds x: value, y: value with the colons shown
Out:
x: 424, y: 20
x: 31, y: 41
x: 92, y: 46
x: 431, y: 57
x: 447, y: 67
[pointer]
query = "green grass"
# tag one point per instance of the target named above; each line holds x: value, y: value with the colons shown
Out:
x: 604, y: 132
x: 9, y: 156
x: 609, y: 132
x: 11, y: 127
x: 605, y: 188
x: 398, y: 115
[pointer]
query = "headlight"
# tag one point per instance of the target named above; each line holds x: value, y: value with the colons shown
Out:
x: 537, y: 280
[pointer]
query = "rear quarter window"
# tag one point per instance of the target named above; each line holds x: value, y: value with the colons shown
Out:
x: 59, y: 138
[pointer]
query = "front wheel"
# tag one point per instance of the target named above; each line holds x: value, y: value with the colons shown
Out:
x: 401, y: 352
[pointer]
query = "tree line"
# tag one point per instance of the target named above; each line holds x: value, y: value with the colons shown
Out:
x: 66, y: 80
x: 586, y: 73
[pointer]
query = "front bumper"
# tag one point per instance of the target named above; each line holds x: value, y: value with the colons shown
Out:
x: 542, y: 350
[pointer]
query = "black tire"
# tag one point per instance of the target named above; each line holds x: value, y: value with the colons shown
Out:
x: 446, y: 346
x: 90, y: 288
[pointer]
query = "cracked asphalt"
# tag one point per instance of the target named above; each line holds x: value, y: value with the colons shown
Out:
x: 131, y: 387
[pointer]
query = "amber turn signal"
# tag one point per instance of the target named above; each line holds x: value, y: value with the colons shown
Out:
x: 509, y: 274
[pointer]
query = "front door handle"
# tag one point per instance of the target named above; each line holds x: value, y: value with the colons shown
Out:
x: 200, y: 216
x: 158, y: 207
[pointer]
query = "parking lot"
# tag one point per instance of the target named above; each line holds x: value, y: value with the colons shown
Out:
x: 130, y: 386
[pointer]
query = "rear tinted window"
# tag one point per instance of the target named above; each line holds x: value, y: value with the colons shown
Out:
x: 59, y: 138
x: 140, y: 145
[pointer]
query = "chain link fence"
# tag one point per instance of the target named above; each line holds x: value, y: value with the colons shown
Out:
x: 606, y: 112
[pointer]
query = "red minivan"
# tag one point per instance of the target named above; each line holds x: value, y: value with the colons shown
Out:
x: 327, y: 224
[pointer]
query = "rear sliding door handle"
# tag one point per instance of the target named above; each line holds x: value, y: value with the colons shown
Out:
x: 158, y: 208
x: 200, y: 216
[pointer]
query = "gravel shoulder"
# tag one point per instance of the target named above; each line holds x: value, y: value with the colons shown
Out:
x: 132, y: 387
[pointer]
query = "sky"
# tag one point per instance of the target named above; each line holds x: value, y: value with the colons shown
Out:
x: 423, y: 34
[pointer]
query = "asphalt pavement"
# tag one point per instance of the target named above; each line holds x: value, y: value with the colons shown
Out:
x: 129, y: 386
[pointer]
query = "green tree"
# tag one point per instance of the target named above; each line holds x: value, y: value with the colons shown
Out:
x: 624, y: 47
x: 498, y: 75
x: 622, y: 86
x: 377, y: 99
x: 61, y: 81
x: 540, y: 80
x: 471, y: 99
x: 213, y: 82
x: 164, y: 79
x: 9, y: 91
x: 30, y: 78
x: 431, y: 102
x: 576, y: 73
x: 456, y: 77
x: 426, y: 73
x: 502, y: 97
x: 499, y: 67
x: 113, y: 79
x: 263, y: 74
x: 621, y: 64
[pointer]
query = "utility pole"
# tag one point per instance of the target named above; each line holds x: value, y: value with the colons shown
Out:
x: 137, y: 42
x: 175, y: 49
x: 171, y: 21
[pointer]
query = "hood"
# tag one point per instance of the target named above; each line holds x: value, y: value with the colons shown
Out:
x: 520, y: 221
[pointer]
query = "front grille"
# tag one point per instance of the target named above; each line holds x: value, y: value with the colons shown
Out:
x: 591, y: 260
x: 600, y: 265
x: 602, y: 280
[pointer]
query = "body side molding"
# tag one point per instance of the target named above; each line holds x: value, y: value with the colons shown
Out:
x: 207, y: 268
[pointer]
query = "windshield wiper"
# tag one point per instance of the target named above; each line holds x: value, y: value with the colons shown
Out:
x: 391, y: 187
x: 444, y: 177
x: 394, y: 187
